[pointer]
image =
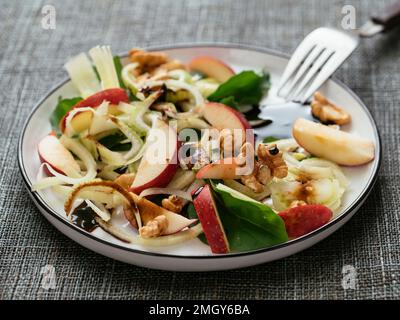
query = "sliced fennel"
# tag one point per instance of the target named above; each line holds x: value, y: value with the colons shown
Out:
x: 247, y: 191
x: 138, y: 109
x: 181, y: 75
x: 99, y: 209
x: 82, y: 75
x: 336, y: 171
x: 109, y: 157
x: 178, y: 192
x: 191, y: 122
x: 128, y: 78
x: 133, y: 137
x: 325, y: 191
x: 207, y: 86
x: 89, y: 144
x: 175, y: 85
x: 104, y: 62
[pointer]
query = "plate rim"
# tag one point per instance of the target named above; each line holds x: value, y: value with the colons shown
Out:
x: 364, y: 194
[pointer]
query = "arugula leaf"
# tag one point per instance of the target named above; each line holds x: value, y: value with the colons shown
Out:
x: 118, y: 68
x: 63, y: 106
x: 113, y: 142
x: 246, y: 88
x: 248, y: 224
x: 269, y: 139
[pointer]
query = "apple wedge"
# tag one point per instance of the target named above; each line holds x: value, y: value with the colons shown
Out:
x: 221, y: 169
x: 207, y: 212
x: 159, y: 162
x: 338, y: 146
x: 81, y: 120
x: 212, y: 67
x: 52, y: 151
x: 149, y: 210
x: 221, y: 117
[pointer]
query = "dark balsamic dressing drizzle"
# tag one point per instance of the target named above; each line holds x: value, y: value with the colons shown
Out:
x: 84, y: 217
x: 281, y: 118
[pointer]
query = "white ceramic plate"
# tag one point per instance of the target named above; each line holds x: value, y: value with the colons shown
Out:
x: 194, y: 255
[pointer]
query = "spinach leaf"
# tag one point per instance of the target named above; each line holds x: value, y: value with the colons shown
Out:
x: 231, y: 102
x: 113, y: 142
x: 63, y: 106
x: 246, y: 87
x: 242, y: 235
x: 248, y: 224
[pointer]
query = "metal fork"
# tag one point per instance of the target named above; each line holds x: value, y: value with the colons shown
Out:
x: 324, y: 50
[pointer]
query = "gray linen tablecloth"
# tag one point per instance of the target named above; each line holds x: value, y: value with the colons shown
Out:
x: 31, y: 60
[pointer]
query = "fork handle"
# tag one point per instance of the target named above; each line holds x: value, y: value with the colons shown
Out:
x: 390, y: 17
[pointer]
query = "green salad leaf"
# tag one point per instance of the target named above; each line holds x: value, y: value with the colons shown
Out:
x: 246, y: 87
x: 248, y: 224
x: 231, y: 102
x: 63, y: 106
x: 113, y: 142
x: 269, y: 139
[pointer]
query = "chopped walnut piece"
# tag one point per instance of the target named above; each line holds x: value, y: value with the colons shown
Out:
x: 173, y: 203
x: 328, y: 112
x: 156, y: 64
x: 246, y: 154
x: 148, y: 61
x: 125, y: 180
x: 270, y: 155
x: 252, y: 182
x: 263, y: 174
x: 226, y: 143
x: 155, y: 227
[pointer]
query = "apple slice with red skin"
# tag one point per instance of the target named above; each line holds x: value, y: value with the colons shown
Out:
x: 211, y: 67
x: 81, y: 120
x: 149, y: 210
x: 303, y: 219
x: 207, y: 212
x: 221, y: 117
x: 150, y: 174
x: 221, y: 169
x: 52, y: 152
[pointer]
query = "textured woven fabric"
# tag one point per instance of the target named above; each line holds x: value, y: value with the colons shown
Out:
x: 31, y: 60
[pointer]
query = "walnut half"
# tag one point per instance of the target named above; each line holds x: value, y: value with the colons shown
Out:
x: 155, y: 227
x: 173, y: 203
x: 270, y: 155
x: 328, y: 112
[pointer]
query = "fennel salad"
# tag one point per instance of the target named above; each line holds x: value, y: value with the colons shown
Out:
x: 173, y: 149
